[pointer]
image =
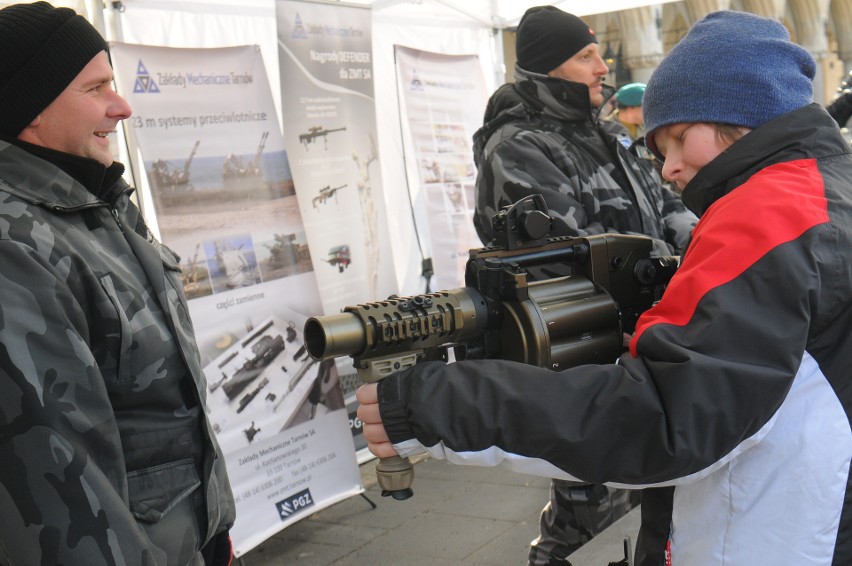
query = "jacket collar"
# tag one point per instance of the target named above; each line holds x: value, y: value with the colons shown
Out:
x: 561, y: 99
x: 58, y: 179
x: 808, y: 132
x: 535, y: 94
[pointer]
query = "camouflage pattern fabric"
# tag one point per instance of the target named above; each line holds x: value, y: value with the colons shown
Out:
x: 613, y: 126
x: 574, y: 515
x: 107, y: 454
x: 541, y: 136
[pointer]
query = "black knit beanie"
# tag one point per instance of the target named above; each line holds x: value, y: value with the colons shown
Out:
x: 547, y: 37
x: 42, y: 49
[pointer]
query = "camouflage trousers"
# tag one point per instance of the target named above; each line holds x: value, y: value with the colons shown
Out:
x: 576, y: 513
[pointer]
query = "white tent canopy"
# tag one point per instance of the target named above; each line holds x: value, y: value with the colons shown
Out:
x: 490, y: 13
x: 493, y: 13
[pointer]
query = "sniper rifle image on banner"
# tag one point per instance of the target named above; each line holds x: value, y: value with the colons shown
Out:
x: 507, y: 310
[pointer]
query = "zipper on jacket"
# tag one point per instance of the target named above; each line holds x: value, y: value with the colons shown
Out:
x: 117, y: 220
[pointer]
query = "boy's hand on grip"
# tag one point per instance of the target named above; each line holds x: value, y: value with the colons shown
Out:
x: 374, y: 431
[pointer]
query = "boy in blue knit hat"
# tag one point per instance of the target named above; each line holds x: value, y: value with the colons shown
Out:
x: 736, y: 394
x: 707, y: 80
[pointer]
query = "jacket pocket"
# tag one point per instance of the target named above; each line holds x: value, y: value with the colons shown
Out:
x: 157, y: 490
x: 117, y: 332
x: 170, y: 259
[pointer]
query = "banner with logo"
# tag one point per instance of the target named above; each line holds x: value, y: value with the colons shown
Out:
x: 329, y: 117
x: 443, y: 100
x: 215, y: 161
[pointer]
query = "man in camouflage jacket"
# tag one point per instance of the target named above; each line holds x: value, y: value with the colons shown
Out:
x: 107, y: 456
x: 541, y: 135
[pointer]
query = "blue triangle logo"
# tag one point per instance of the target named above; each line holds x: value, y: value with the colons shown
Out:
x: 144, y: 82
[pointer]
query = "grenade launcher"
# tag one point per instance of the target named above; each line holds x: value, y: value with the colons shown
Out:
x: 554, y: 302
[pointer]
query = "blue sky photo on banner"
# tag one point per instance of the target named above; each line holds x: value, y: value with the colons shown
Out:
x: 443, y: 99
x: 329, y: 117
x: 207, y: 131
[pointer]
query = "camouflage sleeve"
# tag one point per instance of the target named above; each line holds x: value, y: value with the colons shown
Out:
x: 678, y: 219
x: 63, y: 492
x: 841, y: 108
x: 526, y: 164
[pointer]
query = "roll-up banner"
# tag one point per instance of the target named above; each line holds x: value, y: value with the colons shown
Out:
x: 329, y: 120
x: 443, y: 99
x: 214, y: 158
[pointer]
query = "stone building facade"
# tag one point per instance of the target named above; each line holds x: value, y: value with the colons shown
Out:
x: 635, y: 41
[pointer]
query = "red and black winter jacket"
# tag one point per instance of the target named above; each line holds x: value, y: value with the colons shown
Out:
x: 737, y: 388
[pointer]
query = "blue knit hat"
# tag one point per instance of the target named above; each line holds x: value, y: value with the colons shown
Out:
x: 731, y: 68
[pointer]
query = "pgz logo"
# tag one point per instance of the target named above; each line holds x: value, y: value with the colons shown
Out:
x: 295, y: 503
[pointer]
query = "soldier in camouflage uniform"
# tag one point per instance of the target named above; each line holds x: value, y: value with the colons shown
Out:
x: 541, y: 135
x: 625, y: 121
x: 107, y: 456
